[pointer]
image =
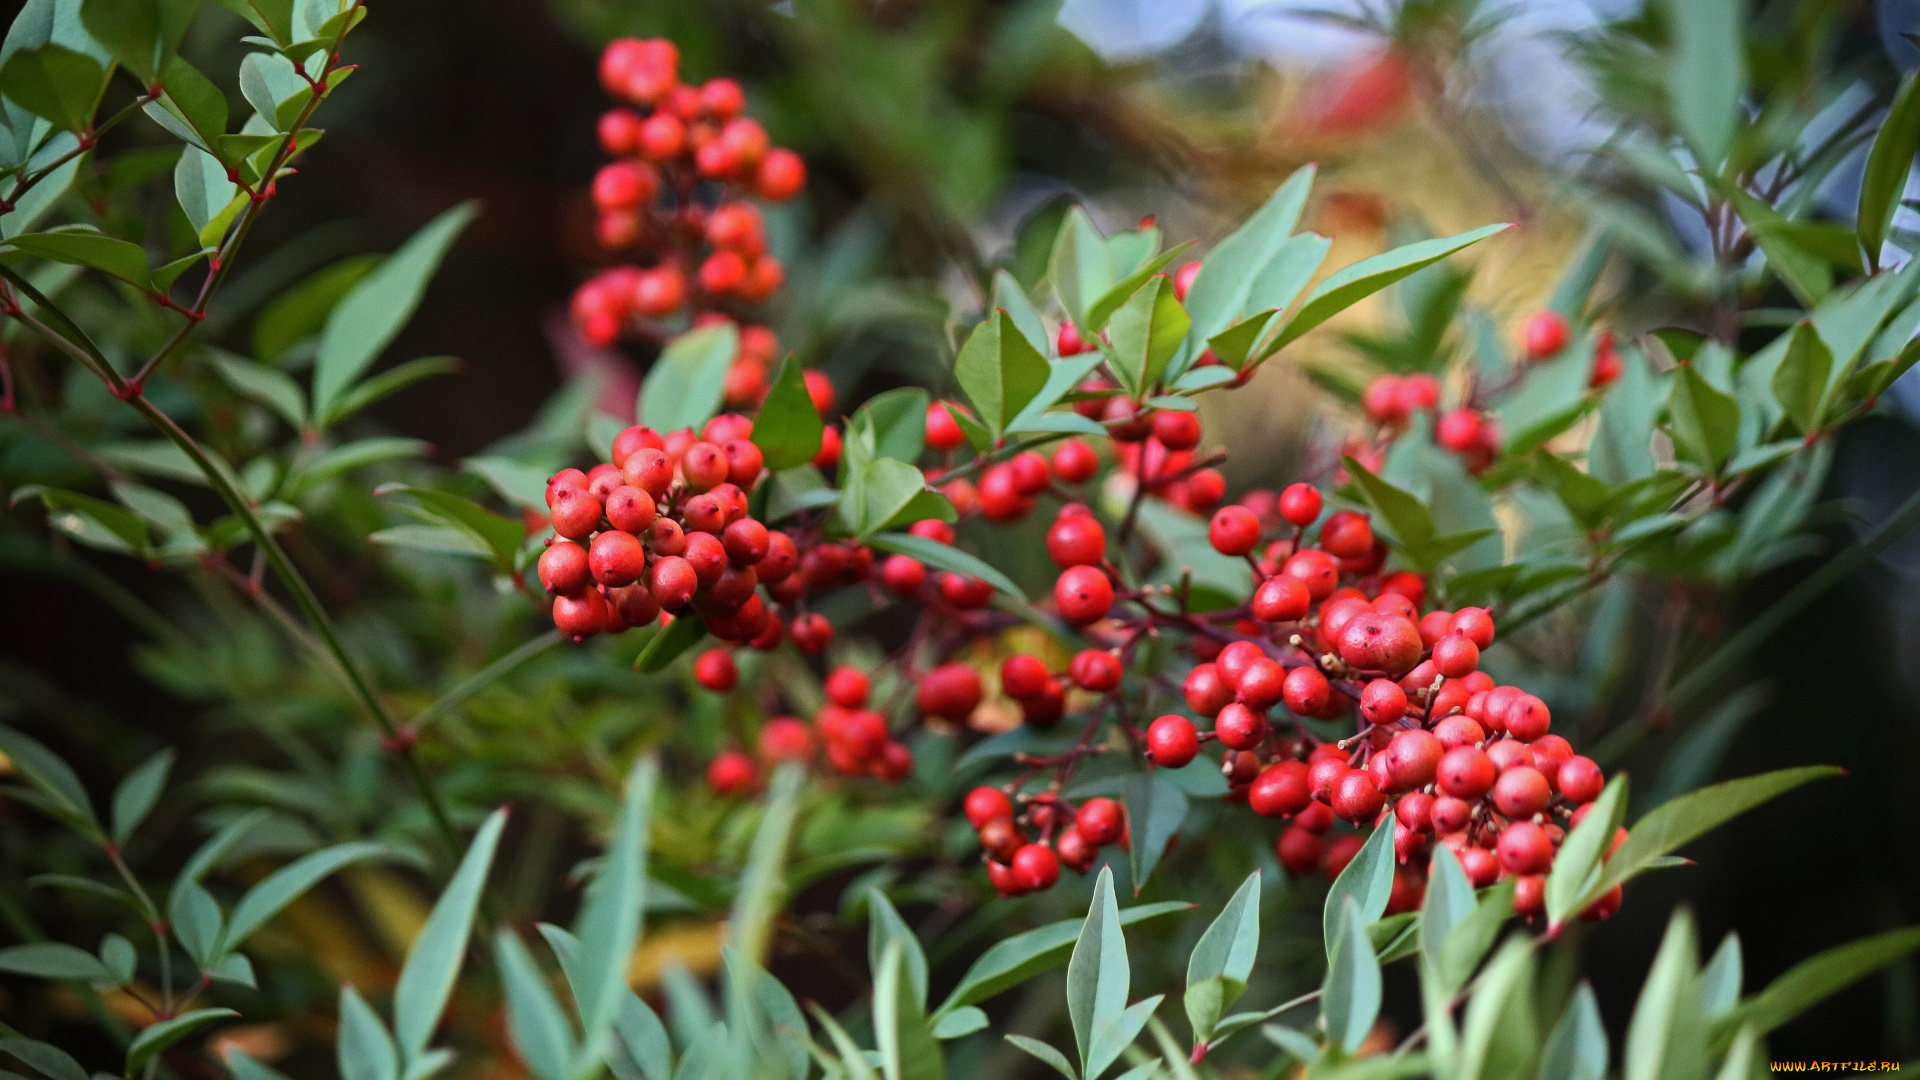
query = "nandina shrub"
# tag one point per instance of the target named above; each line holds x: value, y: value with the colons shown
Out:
x: 1308, y: 687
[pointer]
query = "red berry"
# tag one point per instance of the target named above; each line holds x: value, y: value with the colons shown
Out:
x: 985, y: 804
x: 1466, y: 772
x: 1074, y: 462
x: 1084, y: 594
x: 1076, y: 540
x: 950, y: 691
x: 1382, y: 702
x: 1036, y: 867
x: 1172, y: 742
x: 1281, y: 598
x: 1281, y: 790
x: 1306, y: 691
x: 943, y: 431
x: 1346, y: 535
x: 732, y: 773
x: 1458, y: 731
x: 1262, y: 685
x: 714, y: 670
x: 1521, y: 792
x: 1415, y: 811
x: 847, y: 687
x: 1527, y: 718
x: 1298, y: 850
x: 1580, y: 780
x: 1543, y: 333
x: 811, y: 632
x: 581, y: 615
x: 576, y: 514
x: 1419, y: 392
x: 1300, y: 504
x: 1234, y: 530
x: 1239, y: 727
x: 1100, y: 821
x: 616, y: 558
x: 1525, y: 848
x: 1075, y: 849
x: 1046, y: 707
x: 1340, y: 853
x: 1371, y: 641
x: 1458, y: 431
x: 1356, y: 799
x: 1205, y: 690
x: 1176, y: 430
x: 785, y: 738
x: 672, y: 583
x: 781, y: 176
x: 624, y: 185
x: 1023, y: 676
x: 1030, y: 475
x: 1474, y: 624
x: 1095, y: 669
x: 619, y: 131
x: 1482, y: 866
x: 1069, y: 341
x: 1383, y: 401
x: 1316, y: 569
x: 563, y: 568
x: 1413, y: 758
x: 1456, y: 656
x: 1506, y: 753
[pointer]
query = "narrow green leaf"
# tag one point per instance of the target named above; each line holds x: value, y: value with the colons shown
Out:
x: 1408, y: 518
x: 1705, y: 422
x: 540, y: 1030
x: 370, y: 391
x: 46, y: 1058
x: 141, y: 34
x: 123, y: 260
x: 885, y: 925
x: 1109, y: 302
x: 1079, y: 268
x: 1113, y: 1037
x: 666, y: 646
x: 1224, y: 953
x: 945, y: 557
x: 363, y: 1049
x: 433, y: 962
x: 1000, y: 371
x: 1720, y: 982
x: 959, y: 1023
x: 1097, y: 974
x: 1673, y: 824
x: 1449, y: 901
x: 1147, y: 330
x: 1576, y: 866
x: 266, y: 385
x: 1819, y: 977
x: 1888, y: 165
x: 1159, y: 803
x: 1706, y: 74
x: 287, y: 884
x: 158, y: 1037
x: 301, y: 311
x: 762, y: 885
x: 368, y: 317
x: 56, y: 83
x: 1576, y: 1048
x: 788, y: 428
x: 1045, y: 1053
x: 1800, y: 382
x: 1350, y: 1001
x: 53, y: 960
x: 1009, y: 297
x: 908, y: 1050
x: 1498, y: 1033
x: 1219, y: 293
x: 1467, y: 943
x: 117, y: 955
x: 50, y: 775
x: 609, y: 923
x: 135, y: 796
x: 1013, y: 961
x: 1367, y: 879
x: 1349, y: 285
x: 1667, y: 1035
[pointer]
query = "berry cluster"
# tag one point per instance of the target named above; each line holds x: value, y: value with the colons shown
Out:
x: 675, y: 198
x: 857, y: 739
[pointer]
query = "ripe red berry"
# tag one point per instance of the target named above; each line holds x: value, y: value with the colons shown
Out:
x: 1382, y: 702
x: 581, y: 615
x: 1527, y: 718
x: 1262, y: 685
x: 1413, y: 758
x: 1206, y: 691
x: 732, y: 773
x: 1466, y: 772
x: 1068, y: 340
x: 616, y: 558
x: 1346, y: 535
x: 576, y: 513
x: 1076, y: 540
x: 672, y: 583
x: 1300, y: 504
x: 1100, y: 821
x: 985, y: 804
x: 1456, y: 656
x: 1030, y: 475
x: 847, y: 687
x: 1316, y: 569
x: 1459, y: 431
x: 1372, y: 641
x: 1075, y: 462
x: 624, y: 185
x: 1172, y: 742
x: 1482, y: 866
x: 722, y: 272
x: 1298, y: 850
x: 1474, y: 624
x: 950, y: 691
x: 1239, y: 727
x: 1281, y: 598
x: 1580, y: 780
x: 1084, y: 594
x: 563, y: 568
x: 1525, y: 848
x: 1506, y: 753
x: 1036, y: 867
x: 1356, y: 799
x: 1176, y: 430
x: 811, y: 633
x: 781, y: 176
x: 1458, y: 731
x: 1096, y: 670
x: 1281, y: 790
x: 1543, y: 333
x: 943, y: 431
x: 1521, y: 792
x: 1306, y: 691
x: 1023, y: 676
x: 1234, y: 530
x: 1419, y: 392
x: 714, y: 670
x: 1075, y: 850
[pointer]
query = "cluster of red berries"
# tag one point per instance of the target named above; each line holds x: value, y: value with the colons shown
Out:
x: 1442, y: 751
x: 856, y: 738
x: 685, y: 160
x: 1018, y: 863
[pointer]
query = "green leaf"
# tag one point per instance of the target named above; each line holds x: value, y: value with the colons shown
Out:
x: 540, y: 1030
x: 1147, y: 330
x: 1045, y: 1053
x: 55, y: 82
x: 945, y: 557
x: 301, y: 311
x: 117, y: 955
x: 1350, y: 1001
x: 141, y: 34
x: 1497, y: 1036
x: 274, y: 18
x: 220, y: 845
x: 192, y: 109
x: 1449, y: 902
x: 137, y: 793
x: 1014, y: 960
x: 1368, y: 879
x: 1720, y: 982
x: 1706, y: 75
x: 1576, y: 284
x: 1673, y: 824
x: 788, y: 428
x: 349, y: 456
x: 884, y: 925
x: 290, y: 882
x: 1888, y: 164
x: 1817, y: 978
x: 1800, y: 382
x: 363, y: 1050
x: 961, y: 1022
x: 1158, y: 808
x: 368, y: 317
x: 46, y: 1058
x: 689, y: 380
x: 52, y: 777
x: 1408, y: 518
x: 1349, y: 285
x: 53, y: 960
x: 1097, y: 973
x: 501, y: 535
x: 1000, y: 371
x: 1009, y: 297
x: 367, y: 392
x: 609, y: 922
x: 1467, y: 943
x: 897, y: 420
x: 666, y: 646
x: 762, y: 887
x: 1576, y: 1048
x: 901, y: 1033
x: 1577, y: 864
x: 434, y: 960
x: 895, y: 493
x: 205, y: 193
x: 1705, y: 422
x: 1109, y: 302
x: 516, y: 482
x: 1112, y: 1038
x: 1223, y: 958
x: 1079, y: 268
x: 1667, y: 1035
x: 158, y: 1037
x: 1219, y: 293
x: 244, y: 1067
x: 104, y: 253
x: 266, y: 385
